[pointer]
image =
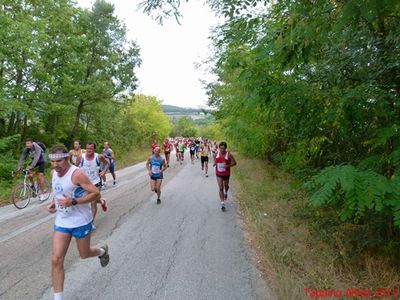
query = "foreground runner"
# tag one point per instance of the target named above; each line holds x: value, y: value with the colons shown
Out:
x: 90, y: 163
x: 156, y: 166
x: 73, y: 192
x: 108, y: 153
x: 224, y: 160
x: 204, y: 153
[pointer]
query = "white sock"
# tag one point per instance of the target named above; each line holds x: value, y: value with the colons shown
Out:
x: 101, y: 251
x: 58, y: 296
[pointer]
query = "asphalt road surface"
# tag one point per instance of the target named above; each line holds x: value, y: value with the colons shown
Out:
x: 185, y: 248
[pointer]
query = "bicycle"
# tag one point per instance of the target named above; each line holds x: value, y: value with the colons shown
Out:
x: 22, y: 193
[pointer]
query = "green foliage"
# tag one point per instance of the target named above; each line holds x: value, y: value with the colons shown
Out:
x: 7, y: 161
x: 184, y: 126
x: 355, y: 192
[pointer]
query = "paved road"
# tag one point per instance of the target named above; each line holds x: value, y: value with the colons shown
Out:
x: 185, y: 248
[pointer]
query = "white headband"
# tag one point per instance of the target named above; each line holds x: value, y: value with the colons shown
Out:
x: 58, y: 155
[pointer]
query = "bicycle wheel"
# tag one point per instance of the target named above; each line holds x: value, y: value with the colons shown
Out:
x: 46, y: 195
x: 21, y: 196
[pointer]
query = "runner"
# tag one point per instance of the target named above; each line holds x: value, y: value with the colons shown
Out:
x: 108, y: 153
x: 73, y: 192
x: 156, y: 166
x: 36, y: 153
x: 214, y: 150
x: 76, y: 153
x: 90, y: 163
x: 154, y: 145
x: 205, y: 152
x: 167, y: 150
x: 192, y: 150
x: 181, y: 151
x: 197, y: 148
x: 176, y: 144
x: 224, y: 160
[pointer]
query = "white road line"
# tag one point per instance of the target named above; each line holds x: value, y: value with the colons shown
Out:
x: 25, y: 228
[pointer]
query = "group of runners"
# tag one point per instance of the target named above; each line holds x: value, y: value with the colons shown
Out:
x: 78, y: 176
x: 199, y: 148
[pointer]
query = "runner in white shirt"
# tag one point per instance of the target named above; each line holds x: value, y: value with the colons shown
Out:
x: 73, y: 192
x: 90, y: 163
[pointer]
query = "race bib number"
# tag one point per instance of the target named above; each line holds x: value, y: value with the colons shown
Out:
x: 155, y: 169
x: 61, y: 209
x: 221, y: 167
x: 91, y: 174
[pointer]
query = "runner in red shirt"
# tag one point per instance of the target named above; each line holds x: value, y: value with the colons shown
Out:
x: 224, y: 160
x: 153, y: 146
x: 167, y: 150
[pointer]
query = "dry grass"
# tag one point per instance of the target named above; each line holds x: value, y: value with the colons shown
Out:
x: 289, y: 256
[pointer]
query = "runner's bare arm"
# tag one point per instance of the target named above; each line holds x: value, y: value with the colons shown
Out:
x: 148, y: 166
x: 233, y: 161
x: 164, y: 166
x: 92, y: 192
x: 112, y: 154
x: 78, y: 159
x: 51, y: 207
x: 107, y: 162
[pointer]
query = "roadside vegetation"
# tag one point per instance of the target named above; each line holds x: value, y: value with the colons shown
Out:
x: 69, y: 73
x: 313, y: 87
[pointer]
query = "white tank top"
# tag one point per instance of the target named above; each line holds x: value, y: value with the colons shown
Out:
x: 91, y: 168
x: 73, y: 216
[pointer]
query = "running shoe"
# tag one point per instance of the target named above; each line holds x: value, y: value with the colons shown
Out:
x: 42, y: 197
x: 93, y: 227
x: 223, y: 206
x: 114, y: 183
x: 206, y: 175
x: 104, y: 205
x: 158, y: 201
x: 105, y: 258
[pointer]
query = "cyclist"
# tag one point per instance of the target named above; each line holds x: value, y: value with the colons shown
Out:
x: 73, y: 192
x: 36, y: 153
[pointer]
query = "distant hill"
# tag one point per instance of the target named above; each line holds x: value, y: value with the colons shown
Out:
x: 177, y: 112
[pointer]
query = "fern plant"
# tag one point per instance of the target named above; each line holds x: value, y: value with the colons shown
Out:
x: 353, y: 192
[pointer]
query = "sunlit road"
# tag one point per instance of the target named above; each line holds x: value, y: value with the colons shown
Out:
x: 185, y: 248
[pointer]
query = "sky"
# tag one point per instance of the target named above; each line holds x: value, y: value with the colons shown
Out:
x: 169, y: 52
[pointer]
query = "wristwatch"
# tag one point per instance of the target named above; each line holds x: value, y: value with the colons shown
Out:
x: 74, y: 202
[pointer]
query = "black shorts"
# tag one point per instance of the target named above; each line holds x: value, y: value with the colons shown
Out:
x: 224, y: 178
x: 191, y: 152
x: 204, y: 159
x: 40, y: 166
x: 167, y: 152
x: 157, y: 178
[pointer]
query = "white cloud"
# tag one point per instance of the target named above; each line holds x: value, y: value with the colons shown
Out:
x: 169, y: 52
